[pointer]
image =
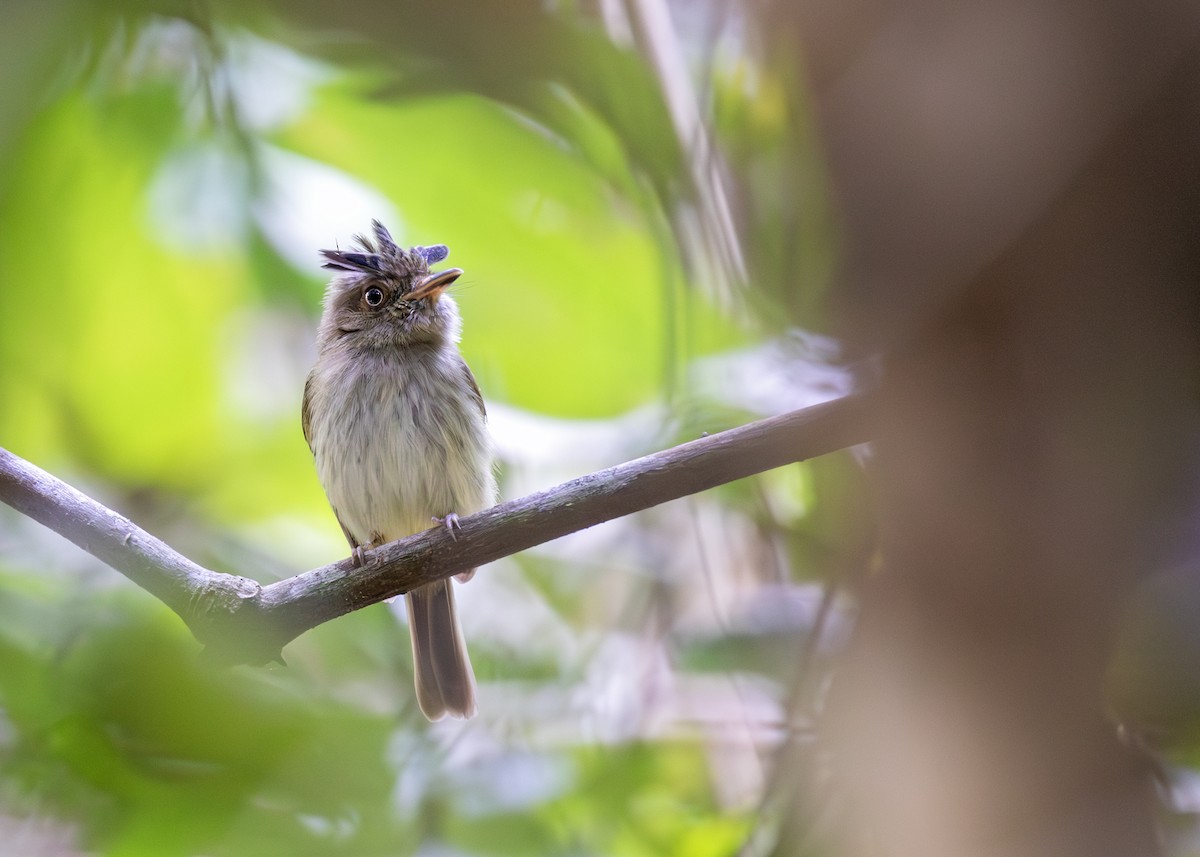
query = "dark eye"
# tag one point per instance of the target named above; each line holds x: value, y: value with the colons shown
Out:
x: 373, y: 296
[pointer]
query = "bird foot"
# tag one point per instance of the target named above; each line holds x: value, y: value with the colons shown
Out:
x: 450, y: 522
x: 358, y: 556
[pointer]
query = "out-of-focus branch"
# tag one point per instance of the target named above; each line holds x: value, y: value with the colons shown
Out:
x: 241, y: 621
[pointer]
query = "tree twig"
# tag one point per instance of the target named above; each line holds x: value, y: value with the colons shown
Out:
x: 240, y: 621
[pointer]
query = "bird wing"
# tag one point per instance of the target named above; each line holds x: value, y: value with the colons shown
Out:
x: 470, y: 379
x: 306, y: 412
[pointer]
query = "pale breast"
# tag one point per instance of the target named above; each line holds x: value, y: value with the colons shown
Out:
x: 414, y: 444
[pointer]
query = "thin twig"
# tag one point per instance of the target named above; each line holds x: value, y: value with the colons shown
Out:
x: 242, y: 622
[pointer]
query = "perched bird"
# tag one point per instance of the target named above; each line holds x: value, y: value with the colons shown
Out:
x: 398, y: 431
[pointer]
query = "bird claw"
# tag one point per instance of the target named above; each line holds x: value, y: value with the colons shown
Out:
x: 450, y: 522
x: 358, y: 556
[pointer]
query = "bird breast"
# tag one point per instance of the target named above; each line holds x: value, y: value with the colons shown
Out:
x: 399, y: 440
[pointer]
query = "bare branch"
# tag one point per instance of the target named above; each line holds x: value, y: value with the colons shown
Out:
x: 194, y: 592
x: 242, y: 622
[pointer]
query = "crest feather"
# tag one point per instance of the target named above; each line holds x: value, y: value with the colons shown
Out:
x: 386, y: 245
x: 338, y: 260
x: 383, y: 256
x: 432, y: 254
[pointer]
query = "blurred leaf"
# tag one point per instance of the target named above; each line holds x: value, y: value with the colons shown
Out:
x: 546, y: 247
x: 113, y: 354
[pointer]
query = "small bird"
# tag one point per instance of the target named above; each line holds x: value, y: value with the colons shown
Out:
x: 398, y: 430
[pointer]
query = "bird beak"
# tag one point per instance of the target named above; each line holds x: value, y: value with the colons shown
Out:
x: 433, y: 285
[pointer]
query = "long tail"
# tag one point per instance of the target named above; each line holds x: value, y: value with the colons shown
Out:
x: 445, y: 681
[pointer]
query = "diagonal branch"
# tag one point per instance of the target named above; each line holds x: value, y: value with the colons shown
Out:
x: 241, y: 621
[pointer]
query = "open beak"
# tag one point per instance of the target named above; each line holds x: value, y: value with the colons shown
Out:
x: 433, y: 285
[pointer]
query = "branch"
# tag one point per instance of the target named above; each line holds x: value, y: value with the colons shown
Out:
x: 241, y: 621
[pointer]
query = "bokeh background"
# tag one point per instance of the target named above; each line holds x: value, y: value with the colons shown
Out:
x: 976, y: 637
x: 169, y: 174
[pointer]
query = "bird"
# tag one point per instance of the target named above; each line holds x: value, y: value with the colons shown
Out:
x: 398, y: 431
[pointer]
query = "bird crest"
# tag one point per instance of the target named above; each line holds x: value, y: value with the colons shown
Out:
x: 382, y: 257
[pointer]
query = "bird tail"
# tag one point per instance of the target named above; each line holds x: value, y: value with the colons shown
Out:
x: 445, y: 681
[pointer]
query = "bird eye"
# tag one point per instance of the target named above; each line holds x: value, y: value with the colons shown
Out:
x: 373, y: 296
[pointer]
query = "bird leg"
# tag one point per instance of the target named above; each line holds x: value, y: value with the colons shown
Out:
x: 358, y: 553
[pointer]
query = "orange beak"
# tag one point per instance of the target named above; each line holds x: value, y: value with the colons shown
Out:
x: 432, y: 286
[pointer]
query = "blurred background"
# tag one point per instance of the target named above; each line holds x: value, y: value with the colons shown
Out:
x: 169, y: 174
x: 674, y: 217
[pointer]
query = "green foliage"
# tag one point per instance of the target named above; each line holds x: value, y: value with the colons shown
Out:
x: 158, y: 297
x: 547, y: 246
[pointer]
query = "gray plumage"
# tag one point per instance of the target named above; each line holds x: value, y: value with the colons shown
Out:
x: 398, y: 431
